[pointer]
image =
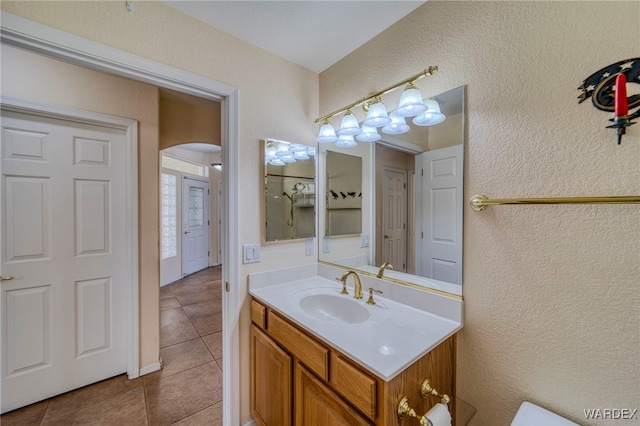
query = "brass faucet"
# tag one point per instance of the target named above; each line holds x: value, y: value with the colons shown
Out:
x: 385, y: 265
x: 357, y: 292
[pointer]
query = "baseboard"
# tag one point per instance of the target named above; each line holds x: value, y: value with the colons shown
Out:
x: 151, y: 368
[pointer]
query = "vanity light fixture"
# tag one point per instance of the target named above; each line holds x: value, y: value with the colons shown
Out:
x: 280, y: 153
x: 369, y: 134
x: 349, y: 125
x: 397, y: 126
x: 411, y: 105
x: 346, y: 141
x: 217, y: 166
x: 411, y: 102
x: 377, y: 115
x: 432, y: 116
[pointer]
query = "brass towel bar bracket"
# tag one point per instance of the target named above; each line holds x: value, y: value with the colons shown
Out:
x: 480, y: 202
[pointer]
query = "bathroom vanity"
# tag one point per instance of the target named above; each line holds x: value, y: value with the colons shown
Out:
x: 319, y: 357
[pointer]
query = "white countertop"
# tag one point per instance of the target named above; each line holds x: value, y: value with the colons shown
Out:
x: 394, y: 336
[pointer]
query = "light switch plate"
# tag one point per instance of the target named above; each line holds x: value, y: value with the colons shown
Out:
x: 325, y: 245
x: 364, y: 240
x: 250, y: 253
x: 308, y: 247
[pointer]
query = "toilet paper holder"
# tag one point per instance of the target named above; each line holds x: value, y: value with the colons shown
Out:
x: 426, y: 389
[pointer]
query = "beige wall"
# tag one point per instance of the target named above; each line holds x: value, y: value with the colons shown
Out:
x: 277, y: 99
x: 188, y: 120
x: 551, y: 292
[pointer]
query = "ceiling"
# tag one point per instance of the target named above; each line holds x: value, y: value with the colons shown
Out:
x: 313, y: 34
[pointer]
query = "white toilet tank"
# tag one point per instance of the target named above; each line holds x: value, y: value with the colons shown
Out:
x: 531, y: 415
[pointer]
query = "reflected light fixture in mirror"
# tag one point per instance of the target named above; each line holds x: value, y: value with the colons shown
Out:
x: 278, y: 153
x: 411, y: 104
x: 217, y: 166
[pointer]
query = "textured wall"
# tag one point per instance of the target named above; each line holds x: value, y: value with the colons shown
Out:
x: 551, y: 292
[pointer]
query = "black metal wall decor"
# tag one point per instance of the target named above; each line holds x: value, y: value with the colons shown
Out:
x: 607, y: 90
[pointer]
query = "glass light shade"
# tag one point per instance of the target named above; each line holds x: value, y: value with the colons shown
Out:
x: 349, y: 125
x: 288, y: 158
x: 283, y: 147
x: 277, y: 162
x: 217, y: 166
x: 311, y: 152
x: 369, y: 134
x: 346, y: 141
x: 411, y: 103
x: 397, y: 126
x: 327, y: 134
x: 431, y: 117
x: 377, y: 116
x: 271, y: 150
x: 296, y: 147
x: 300, y: 155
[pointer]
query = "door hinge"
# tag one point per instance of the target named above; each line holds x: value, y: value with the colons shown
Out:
x: 405, y: 186
x: 208, y: 222
x: 403, y: 266
x: 422, y: 235
x: 209, y: 253
x: 404, y: 226
x: 208, y: 192
x: 226, y: 286
x: 421, y: 172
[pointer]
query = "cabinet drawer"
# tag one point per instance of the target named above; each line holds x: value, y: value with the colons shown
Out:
x: 259, y: 314
x: 356, y: 386
x: 310, y: 352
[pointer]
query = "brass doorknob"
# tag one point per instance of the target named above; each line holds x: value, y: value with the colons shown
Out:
x: 6, y: 278
x: 386, y: 237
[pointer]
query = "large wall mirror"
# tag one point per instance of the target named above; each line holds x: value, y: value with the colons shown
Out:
x: 289, y: 190
x: 411, y: 204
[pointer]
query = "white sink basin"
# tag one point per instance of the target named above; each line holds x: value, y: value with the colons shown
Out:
x: 334, y: 308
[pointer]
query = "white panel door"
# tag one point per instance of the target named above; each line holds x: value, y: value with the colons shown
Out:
x: 63, y: 239
x: 195, y: 225
x: 394, y: 218
x: 441, y: 215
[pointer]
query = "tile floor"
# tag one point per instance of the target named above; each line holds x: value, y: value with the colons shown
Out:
x: 188, y: 389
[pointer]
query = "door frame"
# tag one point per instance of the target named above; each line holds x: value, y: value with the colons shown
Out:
x: 37, y: 38
x: 130, y: 128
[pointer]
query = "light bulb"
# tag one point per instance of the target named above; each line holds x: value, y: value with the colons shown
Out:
x: 411, y: 103
x: 377, y: 115
x: 397, y: 125
x: 349, y: 125
x: 346, y: 141
x: 327, y: 133
x: 432, y: 117
x: 369, y: 134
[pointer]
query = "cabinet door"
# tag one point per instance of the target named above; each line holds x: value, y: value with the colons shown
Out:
x: 271, y: 381
x: 317, y: 405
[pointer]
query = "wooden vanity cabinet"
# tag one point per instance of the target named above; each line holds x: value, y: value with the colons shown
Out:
x: 298, y: 380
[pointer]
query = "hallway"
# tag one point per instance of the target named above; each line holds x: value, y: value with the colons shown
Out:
x: 188, y: 389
